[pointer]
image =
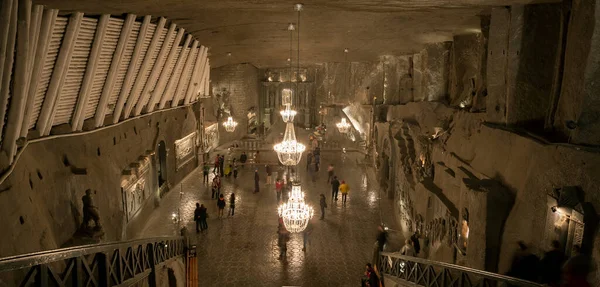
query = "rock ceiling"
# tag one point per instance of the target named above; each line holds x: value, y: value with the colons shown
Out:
x: 254, y: 31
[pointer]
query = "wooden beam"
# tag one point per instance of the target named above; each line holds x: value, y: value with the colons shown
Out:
x: 195, y: 79
x: 138, y: 84
x: 186, y: 69
x: 129, y: 77
x: 160, y: 62
x: 21, y: 81
x: 7, y: 53
x: 207, y: 78
x: 202, y: 74
x: 164, y: 76
x: 113, y: 70
x: 41, y: 43
x: 61, y: 65
x: 88, y: 78
x: 174, y: 78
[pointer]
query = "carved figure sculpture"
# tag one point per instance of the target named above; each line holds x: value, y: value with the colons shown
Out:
x: 90, y: 212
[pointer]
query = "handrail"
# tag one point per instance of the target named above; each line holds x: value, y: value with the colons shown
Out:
x: 423, y: 272
x: 43, y: 257
x: 105, y: 264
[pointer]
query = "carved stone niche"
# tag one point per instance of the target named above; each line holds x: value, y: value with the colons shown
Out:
x: 133, y: 186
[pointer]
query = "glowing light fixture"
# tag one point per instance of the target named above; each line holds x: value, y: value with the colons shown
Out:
x: 289, y: 151
x: 288, y: 115
x: 230, y: 125
x: 343, y: 126
x: 296, y: 213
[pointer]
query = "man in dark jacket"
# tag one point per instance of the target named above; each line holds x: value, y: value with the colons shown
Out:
x: 221, y: 165
x: 197, y: 217
x: 415, y: 241
x: 200, y: 215
x: 335, y: 187
x: 256, y: 181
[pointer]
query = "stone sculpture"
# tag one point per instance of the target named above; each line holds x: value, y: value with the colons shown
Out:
x: 90, y: 213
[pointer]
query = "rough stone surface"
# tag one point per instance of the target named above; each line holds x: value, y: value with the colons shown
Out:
x: 497, y: 65
x: 41, y: 200
x: 435, y: 60
x: 467, y: 77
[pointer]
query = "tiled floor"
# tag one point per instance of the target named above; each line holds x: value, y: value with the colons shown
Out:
x: 242, y: 250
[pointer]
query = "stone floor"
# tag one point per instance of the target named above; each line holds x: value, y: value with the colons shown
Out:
x: 242, y: 250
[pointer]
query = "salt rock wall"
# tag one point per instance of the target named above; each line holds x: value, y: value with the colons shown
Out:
x: 40, y: 203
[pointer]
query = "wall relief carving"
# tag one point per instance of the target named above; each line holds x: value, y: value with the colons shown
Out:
x: 184, y: 149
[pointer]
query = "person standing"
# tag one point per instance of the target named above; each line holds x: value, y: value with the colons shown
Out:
x: 329, y: 173
x: 197, y: 217
x: 305, y: 235
x: 217, y: 163
x: 408, y: 249
x: 551, y: 264
x: 202, y: 214
x: 269, y: 173
x: 282, y: 239
x: 221, y: 165
x: 524, y: 264
x: 243, y: 158
x: 232, y: 204
x: 256, y: 181
x: 415, y: 242
x: 235, y: 169
x: 215, y: 186
x: 323, y: 204
x: 344, y: 188
x: 221, y: 205
x: 309, y: 158
x: 205, y: 171
x: 335, y: 187
x: 279, y: 188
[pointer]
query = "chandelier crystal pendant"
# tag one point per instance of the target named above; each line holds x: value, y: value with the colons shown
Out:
x: 296, y: 213
x: 288, y: 115
x: 289, y: 151
x: 343, y: 126
x: 230, y: 125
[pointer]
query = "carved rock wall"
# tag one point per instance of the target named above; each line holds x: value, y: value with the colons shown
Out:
x: 41, y: 200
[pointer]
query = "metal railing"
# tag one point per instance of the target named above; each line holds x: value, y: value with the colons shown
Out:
x: 106, y: 264
x: 416, y: 271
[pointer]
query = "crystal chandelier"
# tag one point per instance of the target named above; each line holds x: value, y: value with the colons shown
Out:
x: 230, y: 125
x: 295, y: 213
x: 343, y: 126
x: 289, y: 151
x: 288, y: 115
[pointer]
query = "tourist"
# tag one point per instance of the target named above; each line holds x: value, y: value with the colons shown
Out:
x: 221, y: 165
x: 269, y: 173
x: 232, y: 204
x: 408, y: 249
x: 323, y: 204
x: 282, y: 239
x: 309, y: 158
x: 381, y: 238
x: 256, y: 181
x: 335, y: 187
x: 344, y: 188
x: 317, y: 158
x: 205, y: 171
x: 577, y: 268
x: 551, y: 265
x: 197, y: 217
x: 221, y: 205
x: 203, y: 214
x: 524, y: 264
x: 215, y: 186
x: 305, y: 235
x: 329, y: 173
x: 243, y: 158
x: 217, y: 161
x: 415, y: 241
x: 371, y: 279
x: 228, y: 171
x: 279, y: 188
x: 235, y: 169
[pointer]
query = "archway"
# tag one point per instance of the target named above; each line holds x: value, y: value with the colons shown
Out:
x: 161, y: 163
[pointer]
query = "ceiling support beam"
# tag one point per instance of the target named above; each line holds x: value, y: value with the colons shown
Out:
x: 129, y: 77
x: 186, y: 69
x: 21, y: 81
x: 112, y: 72
x: 8, y: 37
x: 196, y: 78
x: 174, y: 77
x: 164, y: 76
x: 90, y: 71
x: 160, y: 62
x: 44, y: 123
x: 40, y: 50
x: 135, y: 96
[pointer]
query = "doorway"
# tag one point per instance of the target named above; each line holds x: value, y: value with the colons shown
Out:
x: 161, y: 163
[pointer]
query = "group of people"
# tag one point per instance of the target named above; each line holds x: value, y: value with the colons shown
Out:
x: 554, y: 268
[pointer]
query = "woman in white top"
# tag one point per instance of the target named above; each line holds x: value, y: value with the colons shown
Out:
x: 408, y: 249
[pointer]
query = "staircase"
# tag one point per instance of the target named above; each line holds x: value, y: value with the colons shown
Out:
x: 129, y: 263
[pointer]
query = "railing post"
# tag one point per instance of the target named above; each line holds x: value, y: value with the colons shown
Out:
x: 103, y: 269
x: 42, y: 277
x: 77, y: 271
